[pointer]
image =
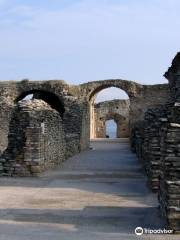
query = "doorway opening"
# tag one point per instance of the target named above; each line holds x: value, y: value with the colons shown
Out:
x: 109, y: 113
x: 111, y: 129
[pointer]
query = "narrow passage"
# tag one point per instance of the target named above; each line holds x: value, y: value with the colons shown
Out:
x: 99, y: 194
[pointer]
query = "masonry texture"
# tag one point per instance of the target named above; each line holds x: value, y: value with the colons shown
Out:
x: 118, y: 110
x: 36, y: 139
x: 74, y: 103
x: 156, y: 140
x: 60, y: 119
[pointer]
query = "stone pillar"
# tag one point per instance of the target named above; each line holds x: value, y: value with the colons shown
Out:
x: 92, y: 119
x: 34, y: 149
x: 100, y: 128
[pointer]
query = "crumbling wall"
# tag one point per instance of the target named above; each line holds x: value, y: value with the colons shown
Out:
x: 151, y: 96
x: 75, y: 101
x: 67, y: 95
x: 146, y: 142
x: 115, y: 109
x: 36, y: 139
x: 169, y: 191
x: 75, y: 120
x: 6, y: 106
x: 5, y: 116
x: 156, y: 140
x: 141, y: 97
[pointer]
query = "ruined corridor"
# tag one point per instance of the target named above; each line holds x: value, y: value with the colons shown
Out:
x: 100, y: 193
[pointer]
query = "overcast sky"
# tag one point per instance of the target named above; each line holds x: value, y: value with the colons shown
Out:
x: 84, y: 40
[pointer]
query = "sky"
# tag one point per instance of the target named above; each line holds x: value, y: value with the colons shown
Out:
x: 86, y: 40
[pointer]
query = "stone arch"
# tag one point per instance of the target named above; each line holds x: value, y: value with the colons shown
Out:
x: 131, y: 88
x: 122, y: 125
x: 49, y: 97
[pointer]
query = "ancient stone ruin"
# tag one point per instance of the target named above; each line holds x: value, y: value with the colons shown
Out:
x: 118, y: 110
x: 36, y: 139
x: 60, y: 119
x: 156, y: 140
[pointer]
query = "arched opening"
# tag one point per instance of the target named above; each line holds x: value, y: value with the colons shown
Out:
x: 50, y: 98
x: 111, y: 128
x: 109, y: 104
x: 36, y: 138
x: 110, y: 93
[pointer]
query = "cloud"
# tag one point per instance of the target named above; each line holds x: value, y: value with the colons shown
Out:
x: 89, y: 40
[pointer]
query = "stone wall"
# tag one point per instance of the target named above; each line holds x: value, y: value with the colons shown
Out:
x: 156, y: 140
x: 36, y: 135
x: 36, y: 139
x: 57, y: 94
x: 6, y: 106
x: 169, y: 191
x: 141, y: 97
x: 5, y: 116
x: 74, y: 102
x: 146, y: 142
x: 118, y: 110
